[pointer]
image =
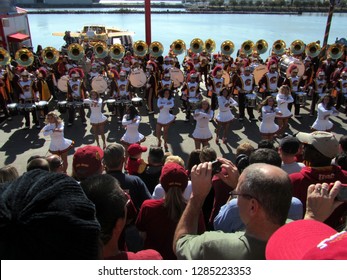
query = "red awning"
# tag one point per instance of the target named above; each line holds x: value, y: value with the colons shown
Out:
x: 18, y: 37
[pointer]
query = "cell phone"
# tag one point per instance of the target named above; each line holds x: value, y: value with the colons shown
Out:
x: 342, y: 195
x: 216, y: 167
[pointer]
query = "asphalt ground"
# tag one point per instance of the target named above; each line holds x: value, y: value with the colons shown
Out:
x: 19, y: 143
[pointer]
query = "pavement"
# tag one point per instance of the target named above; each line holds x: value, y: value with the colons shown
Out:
x: 18, y: 143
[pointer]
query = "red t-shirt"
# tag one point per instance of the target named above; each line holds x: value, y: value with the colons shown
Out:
x: 153, y: 220
x: 140, y: 255
x: 307, y: 176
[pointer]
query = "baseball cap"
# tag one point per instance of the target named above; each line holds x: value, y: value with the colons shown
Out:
x: 290, y: 145
x: 325, y: 142
x: 87, y: 161
x: 173, y: 175
x: 135, y: 149
x: 307, y: 239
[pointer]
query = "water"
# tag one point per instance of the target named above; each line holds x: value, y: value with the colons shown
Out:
x: 168, y: 27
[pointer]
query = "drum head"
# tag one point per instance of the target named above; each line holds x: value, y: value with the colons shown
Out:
x: 287, y: 61
x: 226, y: 77
x: 259, y: 72
x: 99, y: 84
x: 62, y: 83
x: 176, y: 76
x: 137, y: 78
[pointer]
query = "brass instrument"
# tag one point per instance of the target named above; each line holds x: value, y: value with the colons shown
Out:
x: 75, y: 51
x: 279, y: 47
x: 24, y: 57
x: 100, y: 49
x: 117, y: 51
x: 5, y: 57
x: 140, y: 48
x: 227, y: 47
x: 156, y: 49
x: 247, y: 47
x: 335, y: 51
x: 178, y: 47
x: 196, y: 45
x: 261, y: 46
x: 297, y: 47
x: 50, y: 55
x: 312, y: 49
x: 210, y: 46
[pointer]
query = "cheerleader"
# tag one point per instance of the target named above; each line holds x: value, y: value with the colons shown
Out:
x: 59, y: 145
x: 131, y: 121
x: 325, y: 110
x: 165, y: 103
x: 97, y: 118
x: 283, y: 98
x: 203, y: 114
x: 225, y: 116
x: 269, y: 111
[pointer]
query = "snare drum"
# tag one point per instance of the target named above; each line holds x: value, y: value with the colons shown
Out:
x: 62, y: 106
x: 251, y: 100
x: 137, y: 101
x: 12, y: 108
x: 110, y: 103
x: 41, y: 105
x: 193, y: 102
x: 29, y: 107
x: 78, y: 104
x: 300, y: 98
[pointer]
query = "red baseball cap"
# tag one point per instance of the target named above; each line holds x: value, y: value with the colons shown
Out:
x: 173, y: 175
x: 135, y: 149
x: 307, y: 240
x: 87, y: 161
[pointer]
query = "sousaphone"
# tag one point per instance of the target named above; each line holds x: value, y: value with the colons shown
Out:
x: 117, y: 51
x: 312, y: 49
x: 75, y: 51
x: 50, y: 55
x: 140, y: 48
x: 227, y: 47
x: 100, y: 49
x: 24, y: 57
x: 247, y: 47
x: 279, y: 47
x: 156, y: 49
x: 297, y: 47
x: 261, y: 46
x: 210, y: 46
x: 196, y: 45
x: 5, y: 57
x: 335, y: 51
x: 178, y: 46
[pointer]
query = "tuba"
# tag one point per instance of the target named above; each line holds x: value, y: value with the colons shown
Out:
x: 100, y: 49
x: 227, y: 47
x: 140, y: 48
x: 279, y: 47
x: 24, y: 57
x: 210, y: 46
x: 178, y: 47
x: 5, y: 57
x: 156, y: 49
x: 297, y: 47
x: 196, y: 45
x: 247, y: 47
x: 335, y: 51
x: 261, y: 46
x: 50, y: 55
x: 117, y: 51
x: 312, y: 49
x: 75, y: 51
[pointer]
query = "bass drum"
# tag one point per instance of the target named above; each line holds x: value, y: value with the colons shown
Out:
x: 99, y: 84
x: 226, y: 78
x: 137, y: 78
x: 176, y: 76
x: 259, y: 72
x: 62, y: 83
x: 287, y: 61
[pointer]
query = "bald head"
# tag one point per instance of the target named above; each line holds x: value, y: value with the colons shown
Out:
x: 55, y: 163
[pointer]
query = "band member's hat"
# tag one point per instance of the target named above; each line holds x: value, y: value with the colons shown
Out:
x: 272, y: 64
x: 25, y: 73
x: 122, y: 73
x: 75, y: 75
x: 293, y: 68
x: 167, y: 75
x: 307, y: 59
x: 247, y: 68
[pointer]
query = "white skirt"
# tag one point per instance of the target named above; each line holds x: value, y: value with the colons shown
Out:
x: 322, y: 125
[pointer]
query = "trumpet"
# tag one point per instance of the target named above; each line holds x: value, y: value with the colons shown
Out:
x: 227, y: 47
x: 247, y: 47
x: 178, y: 47
x: 24, y: 57
x: 297, y: 47
x: 261, y: 46
x: 117, y: 51
x: 196, y: 45
x: 156, y: 49
x: 210, y: 46
x: 50, y: 55
x: 335, y: 51
x: 75, y: 51
x: 5, y: 57
x: 279, y: 47
x: 312, y: 49
x: 140, y: 48
x: 100, y: 49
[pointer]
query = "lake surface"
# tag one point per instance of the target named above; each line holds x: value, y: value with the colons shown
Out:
x: 168, y: 27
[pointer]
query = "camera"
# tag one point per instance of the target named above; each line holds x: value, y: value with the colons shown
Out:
x: 342, y: 195
x: 216, y: 167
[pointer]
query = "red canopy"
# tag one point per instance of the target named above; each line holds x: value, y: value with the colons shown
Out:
x: 18, y: 37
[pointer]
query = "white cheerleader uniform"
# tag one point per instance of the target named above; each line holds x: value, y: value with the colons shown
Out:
x: 268, y: 124
x: 202, y: 131
x: 225, y: 114
x: 165, y: 117
x: 132, y: 134
x: 59, y: 144
x: 322, y: 122
x: 282, y: 103
x: 96, y: 116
